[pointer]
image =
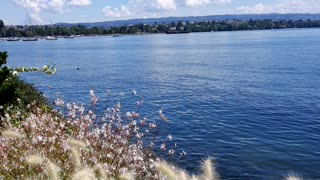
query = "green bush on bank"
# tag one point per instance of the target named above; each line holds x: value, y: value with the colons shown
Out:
x: 17, y: 93
x: 12, y: 88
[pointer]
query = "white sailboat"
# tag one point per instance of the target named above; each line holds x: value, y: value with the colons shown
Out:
x: 34, y: 38
x: 69, y: 37
x: 30, y: 39
x: 51, y: 37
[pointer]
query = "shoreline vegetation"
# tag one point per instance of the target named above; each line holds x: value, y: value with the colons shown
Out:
x: 138, y: 29
x: 70, y: 141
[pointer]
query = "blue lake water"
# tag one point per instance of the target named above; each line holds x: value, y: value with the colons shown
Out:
x: 249, y: 99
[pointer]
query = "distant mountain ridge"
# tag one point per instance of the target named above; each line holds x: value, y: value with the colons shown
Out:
x: 167, y: 20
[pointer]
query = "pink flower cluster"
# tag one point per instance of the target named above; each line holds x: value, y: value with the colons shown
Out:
x: 119, y: 143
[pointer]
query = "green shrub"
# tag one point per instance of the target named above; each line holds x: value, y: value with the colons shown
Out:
x: 16, y: 92
x: 12, y: 89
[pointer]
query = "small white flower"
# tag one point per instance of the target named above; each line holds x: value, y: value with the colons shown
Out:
x: 91, y: 92
x: 15, y: 73
x: 40, y: 138
x: 128, y: 115
x: 163, y: 147
x: 151, y: 144
x: 183, y: 153
x: 171, y: 152
x: 108, y: 93
x: 118, y: 106
x: 133, y: 92
x: 139, y: 103
x: 152, y: 125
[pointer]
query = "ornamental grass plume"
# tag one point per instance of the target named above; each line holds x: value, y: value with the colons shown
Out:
x: 12, y: 134
x: 76, y: 143
x: 101, y: 174
x: 166, y: 171
x: 126, y: 176
x: 194, y: 177
x: 75, y: 157
x: 53, y: 171
x: 293, y: 176
x: 183, y: 175
x: 34, y: 160
x: 208, y: 169
x: 169, y: 172
x: 84, y: 174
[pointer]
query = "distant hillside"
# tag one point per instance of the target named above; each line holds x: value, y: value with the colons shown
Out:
x: 166, y: 20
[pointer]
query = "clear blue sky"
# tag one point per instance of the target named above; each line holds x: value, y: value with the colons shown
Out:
x: 45, y: 11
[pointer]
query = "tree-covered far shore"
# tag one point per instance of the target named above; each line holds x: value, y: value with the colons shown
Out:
x: 187, y: 26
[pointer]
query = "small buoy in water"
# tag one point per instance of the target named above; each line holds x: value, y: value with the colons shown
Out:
x: 78, y: 69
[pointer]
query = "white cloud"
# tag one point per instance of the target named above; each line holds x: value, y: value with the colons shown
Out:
x: 289, y: 6
x: 36, y: 18
x: 150, y: 5
x: 221, y: 1
x: 56, y: 5
x: 256, y: 9
x: 194, y: 3
x: 80, y: 2
x: 35, y: 7
x: 165, y: 4
x: 32, y: 5
x: 115, y: 12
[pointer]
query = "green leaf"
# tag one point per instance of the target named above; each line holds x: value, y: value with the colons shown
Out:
x: 3, y: 58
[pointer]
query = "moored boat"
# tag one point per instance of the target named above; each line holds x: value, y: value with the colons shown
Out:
x: 34, y: 37
x: 30, y: 39
x: 69, y: 37
x: 51, y: 38
x: 177, y: 32
x: 13, y: 39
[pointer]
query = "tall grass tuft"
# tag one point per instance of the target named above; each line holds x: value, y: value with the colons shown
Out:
x: 101, y: 174
x: 208, y: 169
x: 166, y: 170
x: 293, y: 176
x: 75, y: 157
x: 76, y: 143
x: 183, y: 175
x: 12, y: 134
x: 84, y: 174
x: 171, y: 173
x: 34, y: 160
x: 53, y: 171
x: 126, y: 176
